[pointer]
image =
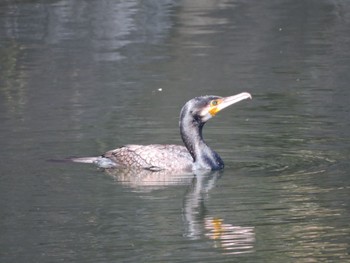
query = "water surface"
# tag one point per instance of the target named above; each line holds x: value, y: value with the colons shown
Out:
x: 80, y: 78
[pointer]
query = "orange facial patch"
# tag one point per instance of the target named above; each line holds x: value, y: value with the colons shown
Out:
x: 213, y: 108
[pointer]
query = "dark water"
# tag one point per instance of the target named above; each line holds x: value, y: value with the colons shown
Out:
x: 82, y: 77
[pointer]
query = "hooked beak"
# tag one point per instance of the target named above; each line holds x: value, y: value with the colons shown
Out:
x: 228, y: 101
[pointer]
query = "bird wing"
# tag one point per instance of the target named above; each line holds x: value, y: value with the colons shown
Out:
x: 154, y: 157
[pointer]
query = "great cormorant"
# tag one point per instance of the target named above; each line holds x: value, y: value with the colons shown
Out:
x: 196, y: 155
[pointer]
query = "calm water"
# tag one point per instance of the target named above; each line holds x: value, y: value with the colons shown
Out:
x: 78, y: 78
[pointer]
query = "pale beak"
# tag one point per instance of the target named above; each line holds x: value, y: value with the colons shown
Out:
x: 211, y: 110
x: 227, y: 101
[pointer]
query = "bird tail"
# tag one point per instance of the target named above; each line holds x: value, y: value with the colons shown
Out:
x: 84, y: 159
x: 76, y: 160
x: 100, y: 161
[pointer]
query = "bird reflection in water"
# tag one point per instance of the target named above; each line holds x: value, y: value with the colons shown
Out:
x: 233, y: 239
x: 199, y: 223
x: 146, y: 180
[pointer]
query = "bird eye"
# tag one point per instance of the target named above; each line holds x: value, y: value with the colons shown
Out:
x: 214, y: 103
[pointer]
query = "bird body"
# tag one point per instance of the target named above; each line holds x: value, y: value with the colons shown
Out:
x: 195, y: 155
x: 152, y: 157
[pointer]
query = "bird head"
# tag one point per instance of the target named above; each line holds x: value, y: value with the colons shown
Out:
x: 204, y: 108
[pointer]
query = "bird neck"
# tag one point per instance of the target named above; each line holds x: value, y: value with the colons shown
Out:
x: 203, y: 156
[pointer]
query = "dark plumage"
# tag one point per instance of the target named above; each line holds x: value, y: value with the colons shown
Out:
x: 196, y: 155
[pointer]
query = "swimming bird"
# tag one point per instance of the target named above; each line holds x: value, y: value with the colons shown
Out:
x: 195, y: 155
